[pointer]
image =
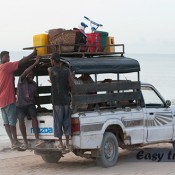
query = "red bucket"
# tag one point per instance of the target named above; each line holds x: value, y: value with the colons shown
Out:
x: 94, y: 42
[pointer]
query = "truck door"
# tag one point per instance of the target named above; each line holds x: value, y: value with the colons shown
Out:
x: 159, y: 118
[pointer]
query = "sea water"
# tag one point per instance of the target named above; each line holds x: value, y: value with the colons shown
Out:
x: 156, y: 69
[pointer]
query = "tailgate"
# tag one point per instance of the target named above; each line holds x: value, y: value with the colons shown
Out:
x: 45, y: 124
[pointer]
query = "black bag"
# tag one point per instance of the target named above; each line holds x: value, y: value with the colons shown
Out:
x: 80, y: 41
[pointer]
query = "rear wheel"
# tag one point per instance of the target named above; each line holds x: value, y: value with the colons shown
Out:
x: 108, y: 153
x: 52, y: 158
x: 49, y: 156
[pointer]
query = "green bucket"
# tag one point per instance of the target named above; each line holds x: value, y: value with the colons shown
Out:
x: 104, y: 36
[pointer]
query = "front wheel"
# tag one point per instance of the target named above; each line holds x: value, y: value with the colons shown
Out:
x: 108, y: 153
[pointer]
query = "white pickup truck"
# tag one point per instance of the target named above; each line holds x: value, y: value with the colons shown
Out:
x: 106, y: 114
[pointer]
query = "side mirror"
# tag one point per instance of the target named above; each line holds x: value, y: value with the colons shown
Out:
x: 168, y: 103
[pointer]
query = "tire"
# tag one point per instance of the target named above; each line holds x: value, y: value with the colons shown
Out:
x: 51, y: 158
x: 108, y: 153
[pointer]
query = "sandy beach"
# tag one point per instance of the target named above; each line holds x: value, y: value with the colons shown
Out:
x: 149, y: 160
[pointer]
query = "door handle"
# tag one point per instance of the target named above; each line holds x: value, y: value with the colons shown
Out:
x: 151, y: 113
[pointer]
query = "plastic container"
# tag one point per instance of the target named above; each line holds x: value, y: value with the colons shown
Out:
x: 110, y: 41
x: 104, y: 36
x: 94, y: 39
x: 41, y: 40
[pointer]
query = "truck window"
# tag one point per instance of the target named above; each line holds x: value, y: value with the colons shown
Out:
x: 151, y: 98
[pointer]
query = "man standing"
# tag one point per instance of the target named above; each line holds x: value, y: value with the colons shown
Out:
x: 62, y: 81
x: 7, y: 93
x: 27, y: 97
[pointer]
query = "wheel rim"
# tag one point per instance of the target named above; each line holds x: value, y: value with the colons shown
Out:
x: 109, y: 150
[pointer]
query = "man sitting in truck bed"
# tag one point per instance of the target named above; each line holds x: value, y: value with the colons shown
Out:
x: 85, y: 79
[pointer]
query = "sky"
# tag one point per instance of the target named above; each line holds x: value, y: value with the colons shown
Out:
x: 144, y: 26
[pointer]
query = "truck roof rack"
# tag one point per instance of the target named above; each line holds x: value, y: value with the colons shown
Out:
x: 79, y: 52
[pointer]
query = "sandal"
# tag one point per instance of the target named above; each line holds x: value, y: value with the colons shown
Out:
x: 68, y: 148
x: 61, y: 147
x: 23, y: 147
x: 40, y: 144
x: 16, y: 145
